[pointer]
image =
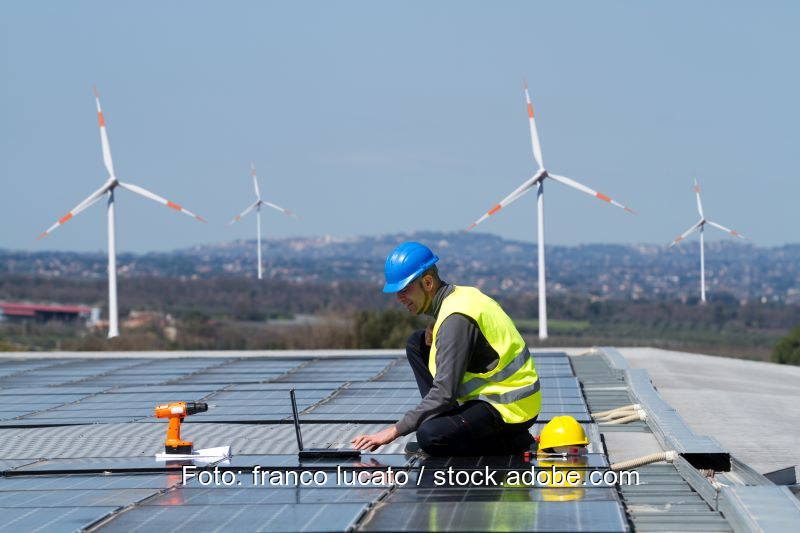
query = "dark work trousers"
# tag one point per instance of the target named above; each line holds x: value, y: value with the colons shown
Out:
x: 474, y: 428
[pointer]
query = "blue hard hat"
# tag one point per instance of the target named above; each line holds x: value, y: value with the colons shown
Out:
x: 405, y: 264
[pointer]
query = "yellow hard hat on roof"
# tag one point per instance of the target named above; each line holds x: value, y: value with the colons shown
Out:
x: 562, y: 431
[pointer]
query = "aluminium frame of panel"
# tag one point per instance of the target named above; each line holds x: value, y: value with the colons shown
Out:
x: 758, y: 505
x: 667, y: 426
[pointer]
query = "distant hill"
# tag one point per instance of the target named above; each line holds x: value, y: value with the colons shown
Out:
x: 603, y: 271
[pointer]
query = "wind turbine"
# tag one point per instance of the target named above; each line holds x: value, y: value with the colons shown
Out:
x: 699, y: 226
x: 108, y: 189
x: 537, y: 180
x: 257, y: 206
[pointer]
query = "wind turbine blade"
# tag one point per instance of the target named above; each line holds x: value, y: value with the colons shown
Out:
x: 281, y: 209
x: 255, y: 180
x: 95, y: 196
x: 583, y: 188
x: 686, y: 233
x: 697, y: 193
x: 157, y: 198
x: 519, y: 191
x: 103, y: 136
x: 238, y: 217
x: 537, y: 149
x: 723, y: 228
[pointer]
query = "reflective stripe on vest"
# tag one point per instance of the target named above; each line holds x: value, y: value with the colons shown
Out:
x: 512, y: 396
x: 512, y: 387
x: 468, y: 387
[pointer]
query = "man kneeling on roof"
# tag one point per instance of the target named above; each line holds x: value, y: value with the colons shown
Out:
x: 479, y: 387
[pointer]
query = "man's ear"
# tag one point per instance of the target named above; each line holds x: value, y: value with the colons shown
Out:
x: 427, y: 283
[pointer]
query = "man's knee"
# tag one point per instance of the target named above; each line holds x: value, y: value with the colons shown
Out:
x: 426, y: 438
x: 416, y: 349
x: 415, y: 342
x: 440, y: 436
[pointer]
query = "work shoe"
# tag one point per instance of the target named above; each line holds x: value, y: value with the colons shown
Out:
x: 412, y: 446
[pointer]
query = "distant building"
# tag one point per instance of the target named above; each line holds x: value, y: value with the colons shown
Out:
x: 158, y: 319
x: 140, y: 319
x: 40, y: 313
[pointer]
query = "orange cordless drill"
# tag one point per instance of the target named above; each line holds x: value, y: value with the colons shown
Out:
x: 176, y: 411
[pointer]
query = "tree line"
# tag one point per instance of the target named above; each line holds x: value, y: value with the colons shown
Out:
x: 231, y: 313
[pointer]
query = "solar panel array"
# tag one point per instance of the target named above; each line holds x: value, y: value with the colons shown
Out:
x: 78, y: 436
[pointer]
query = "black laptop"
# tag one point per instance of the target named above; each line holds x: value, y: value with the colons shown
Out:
x: 310, y: 453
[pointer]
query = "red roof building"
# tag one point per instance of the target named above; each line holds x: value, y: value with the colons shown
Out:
x: 12, y: 311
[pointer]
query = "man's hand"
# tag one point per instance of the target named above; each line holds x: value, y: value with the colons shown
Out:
x: 374, y: 441
x: 429, y: 335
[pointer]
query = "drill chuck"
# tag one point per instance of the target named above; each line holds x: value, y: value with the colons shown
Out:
x: 196, y: 407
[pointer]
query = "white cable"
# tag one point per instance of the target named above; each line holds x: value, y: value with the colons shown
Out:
x: 625, y: 408
x: 633, y: 417
x: 613, y: 416
x: 667, y: 456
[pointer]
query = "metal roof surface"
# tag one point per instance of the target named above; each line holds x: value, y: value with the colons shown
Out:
x: 78, y: 436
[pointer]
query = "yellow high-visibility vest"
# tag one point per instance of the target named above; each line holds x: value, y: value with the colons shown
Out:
x: 511, y: 387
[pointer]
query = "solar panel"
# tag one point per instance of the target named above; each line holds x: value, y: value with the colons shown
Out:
x: 336, y: 369
x: 579, y: 414
x: 244, y: 481
x: 244, y: 377
x: 139, y: 399
x: 501, y: 462
x: 378, y: 385
x: 482, y: 494
x: 68, y: 483
x: 9, y: 464
x: 302, y: 517
x: 97, y: 466
x: 398, y: 372
x: 56, y: 422
x: 292, y: 461
x: 72, y: 498
x: 52, y: 518
x: 268, y: 495
x: 48, y: 391
x: 524, y: 515
x: 365, y: 418
x: 79, y: 411
x: 177, y: 388
x: 12, y: 367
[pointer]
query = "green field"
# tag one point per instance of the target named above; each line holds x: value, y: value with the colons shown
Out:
x: 531, y: 325
x: 728, y: 340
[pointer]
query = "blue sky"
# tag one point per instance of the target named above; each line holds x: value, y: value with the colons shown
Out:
x: 376, y: 117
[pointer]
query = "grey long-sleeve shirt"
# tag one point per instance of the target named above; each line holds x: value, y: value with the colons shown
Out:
x: 460, y: 347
